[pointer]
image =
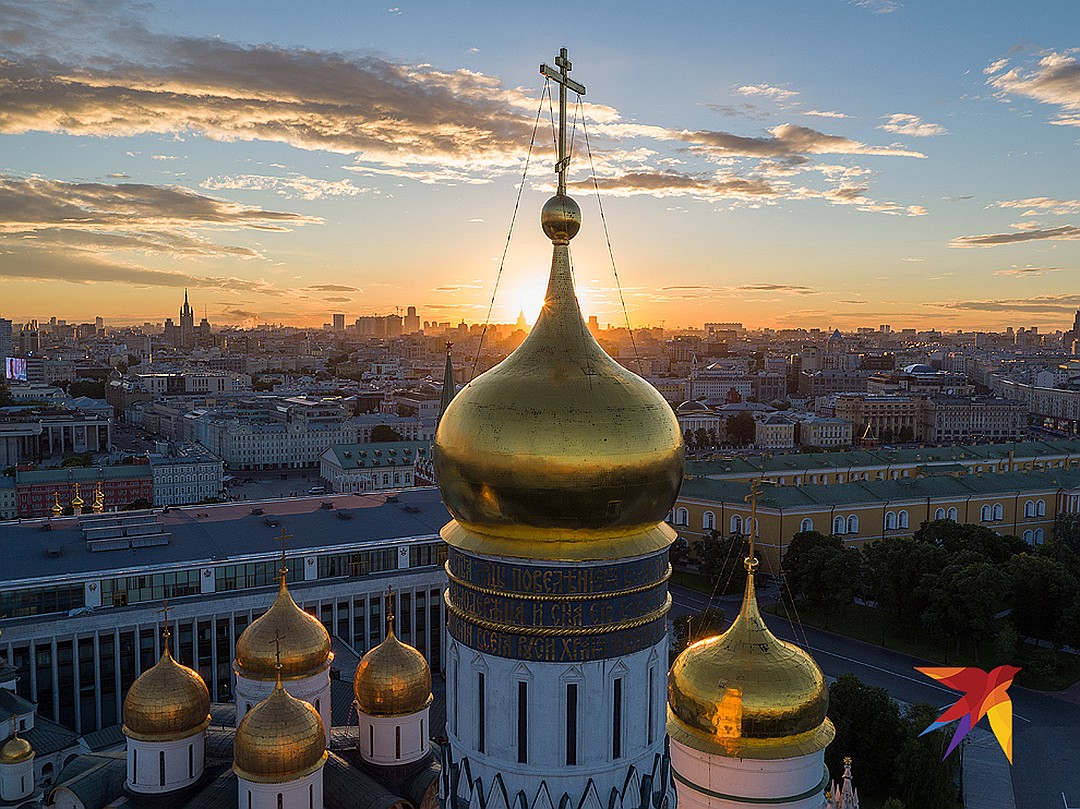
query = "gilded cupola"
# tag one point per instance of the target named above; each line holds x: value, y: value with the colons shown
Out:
x: 15, y: 750
x: 748, y: 694
x: 167, y: 701
x: 305, y: 643
x: 281, y: 739
x: 559, y: 451
x: 393, y: 679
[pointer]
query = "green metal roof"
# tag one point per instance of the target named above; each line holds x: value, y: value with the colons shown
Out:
x: 84, y: 474
x: 389, y: 454
x: 883, y: 491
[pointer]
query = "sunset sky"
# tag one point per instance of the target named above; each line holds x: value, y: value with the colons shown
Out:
x: 819, y: 163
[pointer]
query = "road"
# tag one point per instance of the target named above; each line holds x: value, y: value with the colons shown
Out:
x: 1046, y: 730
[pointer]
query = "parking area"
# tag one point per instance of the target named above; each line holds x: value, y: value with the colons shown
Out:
x: 266, y: 485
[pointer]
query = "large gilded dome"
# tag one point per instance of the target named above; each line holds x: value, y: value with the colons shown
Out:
x: 280, y: 739
x: 748, y: 694
x: 392, y: 679
x: 305, y: 643
x: 167, y: 701
x: 559, y: 451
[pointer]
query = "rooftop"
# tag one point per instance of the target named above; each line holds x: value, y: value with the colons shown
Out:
x: 219, y: 533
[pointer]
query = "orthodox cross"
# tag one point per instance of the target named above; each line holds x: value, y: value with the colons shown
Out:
x: 390, y: 609
x: 166, y: 633
x: 562, y: 77
x: 752, y: 498
x: 284, y: 570
x: 449, y: 345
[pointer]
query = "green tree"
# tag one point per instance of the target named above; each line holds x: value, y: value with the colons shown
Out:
x: 955, y: 537
x: 1044, y: 591
x: 891, y: 572
x: 907, y: 435
x: 923, y: 778
x: 381, y: 433
x: 5, y: 393
x: 688, y: 438
x: 962, y: 599
x: 821, y: 572
x: 722, y: 560
x: 701, y: 437
x: 78, y: 459
x: 893, y: 803
x: 92, y: 388
x: 1066, y: 527
x: 740, y: 428
x: 869, y: 728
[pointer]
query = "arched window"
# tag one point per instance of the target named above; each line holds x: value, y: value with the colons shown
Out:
x: 939, y: 514
x: 736, y: 524
x: 1040, y: 508
x: 890, y: 521
x: 1038, y: 536
x: 986, y: 514
x: 708, y: 521
x: 951, y: 514
x: 838, y: 525
x: 999, y: 512
x: 1029, y: 509
x: 1029, y: 536
x: 682, y: 517
x: 806, y: 525
x: 853, y: 524
x: 901, y: 519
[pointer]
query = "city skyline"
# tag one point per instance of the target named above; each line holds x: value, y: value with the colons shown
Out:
x: 805, y: 174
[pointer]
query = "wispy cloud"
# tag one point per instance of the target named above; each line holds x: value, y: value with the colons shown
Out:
x: 823, y: 113
x: 877, y: 6
x: 788, y: 139
x: 290, y: 187
x: 1054, y: 80
x: 1043, y: 205
x: 767, y: 91
x: 1060, y: 233
x: 904, y: 123
x: 1027, y: 272
x: 333, y: 288
x: 1039, y: 304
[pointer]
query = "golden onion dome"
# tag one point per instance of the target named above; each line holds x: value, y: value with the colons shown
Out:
x: 280, y: 739
x: 305, y: 643
x: 167, y: 701
x: 748, y: 694
x: 559, y: 451
x: 15, y: 750
x: 392, y: 679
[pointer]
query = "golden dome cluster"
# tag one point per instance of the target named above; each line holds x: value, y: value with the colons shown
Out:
x: 392, y: 679
x: 167, y: 701
x: 15, y: 750
x: 559, y: 451
x: 280, y: 739
x: 748, y: 694
x: 305, y: 643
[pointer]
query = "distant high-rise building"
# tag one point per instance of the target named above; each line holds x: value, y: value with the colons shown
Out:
x: 339, y: 322
x: 99, y: 323
x: 6, y: 344
x: 187, y: 323
x: 412, y: 321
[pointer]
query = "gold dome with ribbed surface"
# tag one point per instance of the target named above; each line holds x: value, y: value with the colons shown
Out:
x: 559, y: 452
x: 167, y: 701
x: 392, y: 679
x: 305, y: 643
x: 15, y: 751
x: 280, y: 739
x: 748, y: 694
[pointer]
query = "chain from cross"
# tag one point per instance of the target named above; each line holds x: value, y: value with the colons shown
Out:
x: 562, y: 78
x: 390, y: 609
x: 278, y: 638
x: 284, y: 569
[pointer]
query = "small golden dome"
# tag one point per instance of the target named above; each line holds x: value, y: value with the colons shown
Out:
x: 167, y: 701
x: 392, y: 679
x: 305, y: 643
x: 559, y: 452
x: 748, y: 694
x: 76, y: 501
x: 280, y: 739
x: 15, y: 750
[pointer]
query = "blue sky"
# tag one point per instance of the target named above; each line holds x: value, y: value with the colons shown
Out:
x: 824, y: 163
